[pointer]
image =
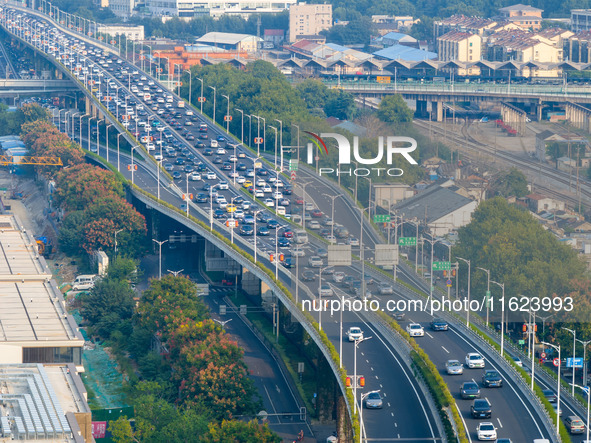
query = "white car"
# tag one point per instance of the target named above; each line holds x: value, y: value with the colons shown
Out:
x: 354, y: 333
x: 213, y: 144
x: 269, y: 202
x: 486, y: 431
x: 220, y: 151
x: 258, y: 193
x: 338, y: 276
x: 195, y: 176
x: 211, y: 176
x: 474, y: 360
x: 223, y: 185
x: 415, y: 330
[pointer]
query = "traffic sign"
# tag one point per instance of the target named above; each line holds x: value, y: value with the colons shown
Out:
x: 441, y: 266
x: 448, y: 283
x: 574, y: 362
x: 258, y: 140
x: 381, y: 218
x: 556, y: 362
x: 407, y: 241
x: 294, y: 164
x: 521, y: 342
x: 293, y: 175
x: 227, y: 118
x: 543, y: 355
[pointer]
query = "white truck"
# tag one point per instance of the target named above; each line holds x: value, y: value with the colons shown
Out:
x: 180, y: 104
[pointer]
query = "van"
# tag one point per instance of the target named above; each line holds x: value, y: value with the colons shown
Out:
x: 84, y: 282
x: 300, y: 236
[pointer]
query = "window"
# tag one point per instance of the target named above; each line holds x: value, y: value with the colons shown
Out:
x: 53, y: 355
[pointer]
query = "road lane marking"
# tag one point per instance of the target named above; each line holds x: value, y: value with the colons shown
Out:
x: 445, y: 349
x: 463, y: 421
x: 499, y: 420
x: 429, y: 334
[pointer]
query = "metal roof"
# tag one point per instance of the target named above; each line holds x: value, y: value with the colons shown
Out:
x: 431, y: 204
x: 225, y: 38
x: 405, y: 53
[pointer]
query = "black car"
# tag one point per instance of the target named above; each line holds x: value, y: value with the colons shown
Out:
x: 218, y: 160
x: 308, y: 275
x: 491, y: 379
x: 469, y: 389
x: 219, y: 213
x: 288, y: 262
x: 246, y: 230
x: 550, y: 395
x: 208, y: 151
x: 176, y: 175
x: 481, y: 409
x: 241, y: 167
x: 201, y: 198
x: 200, y: 144
x: 438, y: 324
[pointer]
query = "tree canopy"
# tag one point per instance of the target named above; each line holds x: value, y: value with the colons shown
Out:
x: 393, y: 109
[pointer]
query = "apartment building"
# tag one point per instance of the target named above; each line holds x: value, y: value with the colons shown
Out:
x: 577, y: 48
x: 473, y: 25
x: 580, y: 20
x: 122, y: 8
x: 525, y: 16
x: 132, y: 33
x: 216, y: 8
x: 306, y: 20
x: 521, y: 46
x: 459, y: 46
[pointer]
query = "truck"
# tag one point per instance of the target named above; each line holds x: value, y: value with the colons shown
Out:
x: 180, y: 104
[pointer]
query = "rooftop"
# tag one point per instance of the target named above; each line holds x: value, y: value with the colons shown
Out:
x: 225, y: 38
x: 520, y: 7
x: 431, y: 204
x: 400, y: 52
x: 455, y: 36
x: 467, y: 22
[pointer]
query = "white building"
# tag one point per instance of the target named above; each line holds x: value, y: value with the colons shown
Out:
x: 216, y: 8
x: 122, y: 8
x: 307, y: 20
x: 134, y: 33
x: 233, y: 42
x: 580, y: 20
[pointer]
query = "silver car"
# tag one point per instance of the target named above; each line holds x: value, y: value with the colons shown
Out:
x: 454, y: 367
x: 373, y: 401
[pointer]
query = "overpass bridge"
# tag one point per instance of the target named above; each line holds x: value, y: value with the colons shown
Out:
x: 532, y: 96
x: 13, y: 87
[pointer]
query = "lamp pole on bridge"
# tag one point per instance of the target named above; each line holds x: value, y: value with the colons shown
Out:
x: 160, y: 243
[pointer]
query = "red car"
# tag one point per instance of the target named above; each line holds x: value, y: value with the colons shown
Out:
x: 316, y: 213
x: 299, y: 201
x: 288, y: 234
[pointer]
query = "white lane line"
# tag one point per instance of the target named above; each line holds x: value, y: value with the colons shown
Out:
x: 429, y: 334
x: 499, y: 420
x: 464, y: 421
x: 395, y: 424
x: 371, y: 367
x: 445, y: 349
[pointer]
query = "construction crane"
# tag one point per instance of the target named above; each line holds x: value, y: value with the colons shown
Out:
x: 8, y: 160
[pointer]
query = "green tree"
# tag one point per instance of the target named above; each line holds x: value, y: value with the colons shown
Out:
x: 239, y: 431
x: 121, y: 431
x: 339, y: 104
x: 32, y: 112
x: 393, y: 109
x: 512, y: 183
x: 313, y: 92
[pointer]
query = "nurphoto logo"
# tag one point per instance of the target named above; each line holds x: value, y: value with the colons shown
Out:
x: 394, y: 145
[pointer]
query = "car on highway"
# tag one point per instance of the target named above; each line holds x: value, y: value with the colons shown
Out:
x: 308, y: 275
x: 373, y: 400
x: 315, y: 262
x: 438, y: 324
x: 355, y: 333
x: 177, y: 175
x: 246, y: 230
x: 517, y: 361
x: 201, y: 198
x: 492, y: 378
x: 385, y: 289
x: 508, y: 440
x: 397, y: 314
x: 574, y: 424
x: 325, y: 290
x: 474, y: 360
x: 338, y: 276
x: 321, y: 252
x: 550, y: 395
x: 195, y: 176
x: 313, y: 225
x: 298, y: 251
x: 481, y: 408
x: 263, y: 231
x: 223, y: 185
x: 469, y: 389
x: 454, y: 367
x: 415, y: 330
x: 486, y: 431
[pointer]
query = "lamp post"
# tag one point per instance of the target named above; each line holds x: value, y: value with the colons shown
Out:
x: 187, y: 197
x: 574, y: 333
x: 357, y: 343
x: 469, y: 274
x: 487, y: 291
x: 211, y: 207
x: 368, y: 197
x: 280, y: 145
x: 586, y: 390
x: 107, y: 137
x: 80, y: 124
x: 241, y: 124
x: 97, y: 137
x: 117, y: 232
x: 190, y: 85
x: 432, y: 243
x: 255, y: 214
x: 502, y: 286
x: 332, y: 198
x: 214, y: 99
x: 158, y: 177
x: 298, y: 139
x: 201, y: 97
x: 361, y: 425
x: 557, y: 387
x: 227, y: 116
x: 585, y: 344
x: 132, y: 165
x: 160, y: 243
x: 118, y: 135
x: 275, y: 161
x: 258, y: 132
x: 89, y: 125
x: 362, y: 253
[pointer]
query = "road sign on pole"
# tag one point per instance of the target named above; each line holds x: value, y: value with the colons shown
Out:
x: 293, y: 175
x: 441, y: 266
x: 543, y: 355
x: 448, y: 283
x: 574, y: 362
x: 339, y: 255
x: 386, y: 255
x: 293, y: 165
x: 555, y: 362
x: 381, y: 218
x: 407, y: 241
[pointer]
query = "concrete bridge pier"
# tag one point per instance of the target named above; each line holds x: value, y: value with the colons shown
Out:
x: 437, y: 110
x: 514, y: 117
x: 579, y: 116
x: 536, y: 110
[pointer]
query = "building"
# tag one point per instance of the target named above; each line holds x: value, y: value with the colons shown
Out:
x: 122, y: 8
x: 580, y: 20
x: 521, y: 46
x: 397, y: 22
x: 440, y: 209
x: 397, y: 38
x: 44, y: 403
x: 459, y: 46
x: 388, y: 194
x: 273, y: 38
x: 525, y: 16
x: 134, y: 33
x: 401, y: 52
x: 231, y: 42
x: 35, y: 326
x: 305, y: 20
x: 215, y: 8
x: 473, y: 25
x: 538, y: 203
x: 577, y: 48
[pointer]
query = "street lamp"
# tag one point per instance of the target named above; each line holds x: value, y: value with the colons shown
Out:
x: 190, y: 85
x: 118, y: 135
x: 280, y: 144
x: 255, y: 214
x: 241, y: 125
x: 211, y: 207
x: 89, y: 125
x: 468, y: 305
x: 214, y: 94
x: 227, y: 116
x: 160, y: 243
x: 116, y: 232
x: 333, y: 198
x: 586, y: 390
x: 107, y: 135
x: 201, y: 97
x: 574, y: 333
x: 132, y: 165
x: 158, y: 177
x: 362, y: 253
x: 275, y: 162
x: 361, y: 426
x: 368, y: 197
x: 358, y: 341
x: 298, y: 139
x: 487, y: 297
x: 502, y: 286
x: 557, y: 388
x: 585, y: 344
x: 432, y: 243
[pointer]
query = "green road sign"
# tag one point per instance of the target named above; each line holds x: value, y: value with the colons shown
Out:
x: 407, y: 241
x: 293, y: 165
x: 441, y: 266
x: 521, y: 342
x: 381, y: 218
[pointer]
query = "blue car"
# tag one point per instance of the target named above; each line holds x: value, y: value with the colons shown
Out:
x: 272, y: 224
x: 221, y: 139
x: 246, y: 230
x: 263, y: 230
x: 283, y: 242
